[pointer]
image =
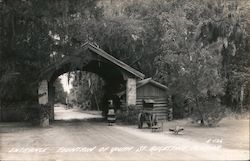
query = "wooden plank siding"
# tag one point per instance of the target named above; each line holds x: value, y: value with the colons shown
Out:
x: 161, y: 107
x: 150, y: 90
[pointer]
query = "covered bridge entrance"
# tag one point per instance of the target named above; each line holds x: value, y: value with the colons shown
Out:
x: 118, y: 76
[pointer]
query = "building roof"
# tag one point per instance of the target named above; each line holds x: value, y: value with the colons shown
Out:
x: 119, y: 63
x: 144, y: 82
x: 95, y: 49
x: 150, y: 80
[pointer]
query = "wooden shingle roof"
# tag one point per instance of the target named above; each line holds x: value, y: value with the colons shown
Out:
x: 150, y: 80
x: 144, y: 82
x: 117, y: 62
x: 96, y: 50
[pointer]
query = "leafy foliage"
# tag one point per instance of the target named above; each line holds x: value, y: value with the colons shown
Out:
x: 199, y: 49
x: 192, y: 61
x: 29, y: 41
x: 88, y: 90
x: 209, y: 112
x: 60, y: 94
x: 130, y: 116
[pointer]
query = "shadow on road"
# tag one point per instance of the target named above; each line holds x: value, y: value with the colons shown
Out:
x: 79, y: 120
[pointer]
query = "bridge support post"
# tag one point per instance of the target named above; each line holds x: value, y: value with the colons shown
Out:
x: 131, y: 91
x: 43, y: 94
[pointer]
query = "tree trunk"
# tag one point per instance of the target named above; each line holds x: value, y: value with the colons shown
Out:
x: 241, y: 98
x: 199, y: 110
x: 0, y: 111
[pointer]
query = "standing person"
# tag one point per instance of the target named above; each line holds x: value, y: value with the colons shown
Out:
x: 111, y: 113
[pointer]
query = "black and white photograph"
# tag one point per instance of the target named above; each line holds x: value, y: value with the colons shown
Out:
x: 124, y: 80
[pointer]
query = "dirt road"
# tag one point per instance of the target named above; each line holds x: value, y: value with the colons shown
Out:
x: 97, y: 141
x: 94, y: 140
x: 74, y: 113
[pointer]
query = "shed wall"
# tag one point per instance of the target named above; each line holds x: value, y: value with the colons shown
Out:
x: 150, y: 90
x: 161, y: 107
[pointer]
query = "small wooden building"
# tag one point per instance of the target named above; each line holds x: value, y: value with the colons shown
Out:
x: 150, y: 89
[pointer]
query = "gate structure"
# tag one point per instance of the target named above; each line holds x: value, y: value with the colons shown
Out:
x: 118, y: 76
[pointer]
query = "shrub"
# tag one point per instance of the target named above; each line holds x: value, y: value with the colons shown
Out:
x: 130, y: 115
x: 19, y: 111
x: 209, y: 112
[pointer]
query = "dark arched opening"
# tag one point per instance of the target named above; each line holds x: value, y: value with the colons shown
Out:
x: 114, y: 82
